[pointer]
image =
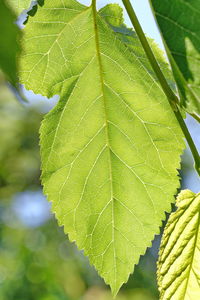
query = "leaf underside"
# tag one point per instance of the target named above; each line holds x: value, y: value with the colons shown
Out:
x: 179, y: 22
x: 179, y: 257
x: 111, y: 147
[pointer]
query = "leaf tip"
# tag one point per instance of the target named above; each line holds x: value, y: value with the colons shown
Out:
x: 115, y: 289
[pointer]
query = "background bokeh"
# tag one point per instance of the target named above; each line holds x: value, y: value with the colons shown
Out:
x: 37, y: 262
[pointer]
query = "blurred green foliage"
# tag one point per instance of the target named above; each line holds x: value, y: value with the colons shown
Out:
x: 19, y: 155
x: 9, y: 42
x: 39, y: 263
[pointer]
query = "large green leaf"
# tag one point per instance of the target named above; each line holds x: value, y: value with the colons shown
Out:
x: 179, y: 22
x: 111, y: 147
x: 179, y: 257
x: 9, y: 44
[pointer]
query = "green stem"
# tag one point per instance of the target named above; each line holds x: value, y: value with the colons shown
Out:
x: 196, y: 117
x: 172, y: 98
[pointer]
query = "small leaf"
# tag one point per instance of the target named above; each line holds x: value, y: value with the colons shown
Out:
x: 179, y: 257
x: 111, y: 147
x: 179, y: 23
x: 9, y: 43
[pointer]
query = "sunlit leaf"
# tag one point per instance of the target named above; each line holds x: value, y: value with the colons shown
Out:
x: 19, y: 5
x: 179, y: 257
x: 179, y: 22
x: 113, y: 14
x: 111, y: 147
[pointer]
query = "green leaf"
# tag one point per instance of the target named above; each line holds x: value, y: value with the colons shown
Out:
x: 111, y: 147
x: 179, y: 257
x: 113, y: 14
x: 179, y: 23
x: 9, y: 43
x: 19, y: 5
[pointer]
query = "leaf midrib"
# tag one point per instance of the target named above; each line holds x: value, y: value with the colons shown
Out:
x: 98, y: 52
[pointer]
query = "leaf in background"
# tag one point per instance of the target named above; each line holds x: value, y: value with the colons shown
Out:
x: 179, y: 22
x: 9, y: 43
x: 111, y: 147
x: 179, y: 257
x: 19, y: 5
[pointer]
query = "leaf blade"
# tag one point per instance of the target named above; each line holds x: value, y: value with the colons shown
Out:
x: 178, y: 264
x: 19, y: 5
x: 79, y: 153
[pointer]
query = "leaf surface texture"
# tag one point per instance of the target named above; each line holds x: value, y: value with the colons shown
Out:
x: 19, y: 5
x: 111, y: 147
x: 179, y: 257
